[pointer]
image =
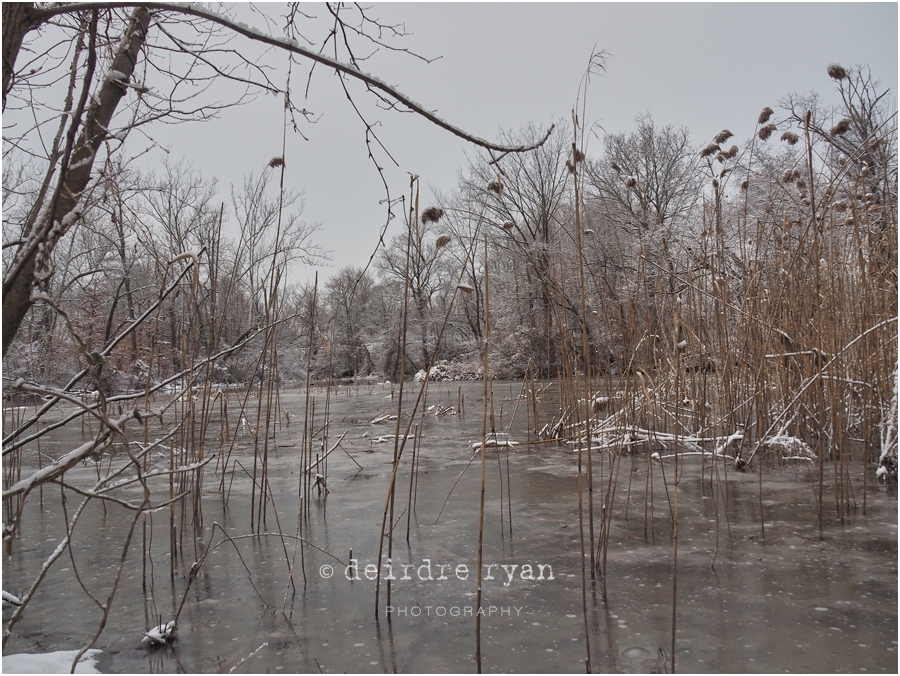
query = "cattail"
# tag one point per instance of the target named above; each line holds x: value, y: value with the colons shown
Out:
x: 836, y: 71
x: 442, y: 241
x: 840, y: 128
x: 616, y: 167
x: 709, y: 150
x: 715, y: 184
x: 432, y: 215
x: 465, y: 288
x: 745, y: 184
x: 732, y: 152
x: 276, y: 162
x: 631, y: 182
x: 766, y: 132
x: 723, y: 136
x: 496, y: 186
x: 509, y: 225
x: 765, y: 115
x: 790, y: 138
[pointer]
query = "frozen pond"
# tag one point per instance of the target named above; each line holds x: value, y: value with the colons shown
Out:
x: 788, y: 601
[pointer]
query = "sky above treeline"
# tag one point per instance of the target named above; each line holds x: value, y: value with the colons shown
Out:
x: 706, y: 66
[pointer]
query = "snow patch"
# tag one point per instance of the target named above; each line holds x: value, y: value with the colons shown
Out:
x: 160, y: 634
x: 59, y: 662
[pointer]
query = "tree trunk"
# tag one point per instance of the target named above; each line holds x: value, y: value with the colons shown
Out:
x: 18, y: 284
x: 18, y: 19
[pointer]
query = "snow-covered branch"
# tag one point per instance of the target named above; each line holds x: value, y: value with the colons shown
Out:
x: 293, y: 46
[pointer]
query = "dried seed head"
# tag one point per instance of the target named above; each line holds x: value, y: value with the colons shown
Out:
x: 579, y: 156
x: 496, y: 185
x: 570, y: 166
x: 276, y: 162
x: 840, y: 205
x: 865, y: 170
x: 711, y: 149
x: 790, y: 138
x: 801, y: 184
x: 432, y: 215
x: 836, y: 71
x: 715, y: 184
x: 631, y: 182
x: 765, y: 115
x: 721, y: 157
x: 465, y: 288
x: 726, y: 170
x: 732, y: 152
x: 766, y: 132
x: 840, y: 128
x: 805, y: 201
x: 509, y: 225
x: 442, y: 241
x: 797, y: 174
x: 787, y: 176
x: 842, y: 159
x: 745, y: 184
x: 615, y: 167
x: 723, y: 136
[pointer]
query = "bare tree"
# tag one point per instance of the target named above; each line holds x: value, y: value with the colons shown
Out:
x: 528, y: 200
x: 649, y: 175
x: 427, y: 276
x: 349, y: 297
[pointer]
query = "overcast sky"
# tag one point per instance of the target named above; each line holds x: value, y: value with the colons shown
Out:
x: 501, y: 66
